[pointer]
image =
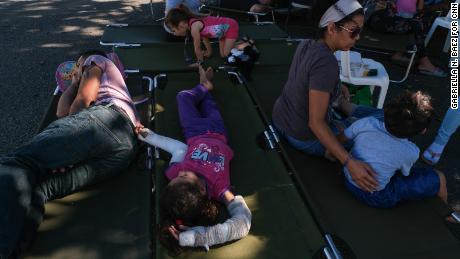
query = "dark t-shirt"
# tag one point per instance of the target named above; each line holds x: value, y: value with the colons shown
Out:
x: 314, y: 66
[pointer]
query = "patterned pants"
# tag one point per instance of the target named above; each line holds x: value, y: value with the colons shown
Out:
x: 387, y: 21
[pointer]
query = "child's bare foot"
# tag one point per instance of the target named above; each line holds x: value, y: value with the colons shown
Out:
x: 206, y: 77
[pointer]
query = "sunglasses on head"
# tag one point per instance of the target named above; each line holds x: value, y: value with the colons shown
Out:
x: 354, y: 32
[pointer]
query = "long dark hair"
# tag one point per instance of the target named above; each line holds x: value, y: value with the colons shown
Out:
x: 184, y: 203
x: 320, y: 7
x: 179, y: 14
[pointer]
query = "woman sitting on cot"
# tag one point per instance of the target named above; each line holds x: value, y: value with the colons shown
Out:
x: 181, y: 21
x: 304, y: 113
x: 199, y: 175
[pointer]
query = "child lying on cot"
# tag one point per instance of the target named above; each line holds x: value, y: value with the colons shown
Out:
x: 384, y: 145
x: 181, y: 21
x: 199, y: 175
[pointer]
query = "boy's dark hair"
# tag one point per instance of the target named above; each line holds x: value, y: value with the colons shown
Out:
x: 88, y: 53
x: 179, y: 14
x: 320, y: 7
x: 184, y: 202
x: 408, y: 114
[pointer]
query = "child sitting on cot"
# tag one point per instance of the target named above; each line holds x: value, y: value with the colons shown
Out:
x: 199, y: 175
x: 384, y: 145
x: 181, y: 21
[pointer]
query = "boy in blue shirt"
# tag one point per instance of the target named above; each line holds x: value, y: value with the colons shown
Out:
x: 384, y: 145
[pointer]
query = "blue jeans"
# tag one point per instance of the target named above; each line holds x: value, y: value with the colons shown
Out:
x: 314, y: 146
x: 99, y: 142
x: 421, y: 183
x: 449, y: 125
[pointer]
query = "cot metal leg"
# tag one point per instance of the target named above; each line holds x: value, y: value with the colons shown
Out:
x: 335, y: 252
x: 456, y: 216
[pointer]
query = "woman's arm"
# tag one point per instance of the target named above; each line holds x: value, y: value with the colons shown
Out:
x: 88, y: 89
x: 361, y: 173
x: 236, y: 227
x: 66, y: 100
x: 68, y: 96
x: 176, y: 148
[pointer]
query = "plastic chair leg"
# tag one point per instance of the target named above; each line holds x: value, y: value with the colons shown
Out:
x: 430, y: 33
x: 447, y: 42
x: 382, y: 96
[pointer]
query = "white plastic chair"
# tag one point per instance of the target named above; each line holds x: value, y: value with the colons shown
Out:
x: 443, y: 22
x: 352, y: 67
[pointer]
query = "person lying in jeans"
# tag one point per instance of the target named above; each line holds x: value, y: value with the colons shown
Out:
x: 94, y: 139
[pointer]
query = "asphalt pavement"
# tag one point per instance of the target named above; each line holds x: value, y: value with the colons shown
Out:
x: 35, y: 37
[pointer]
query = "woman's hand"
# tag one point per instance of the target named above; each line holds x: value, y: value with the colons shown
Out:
x: 363, y: 175
x: 345, y: 93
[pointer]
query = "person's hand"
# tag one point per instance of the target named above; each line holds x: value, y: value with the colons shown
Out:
x: 345, y: 93
x: 76, y: 76
x: 138, y: 128
x: 207, y: 53
x: 363, y: 175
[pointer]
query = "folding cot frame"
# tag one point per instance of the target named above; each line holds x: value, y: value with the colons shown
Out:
x: 256, y: 15
x: 155, y: 34
x: 121, y: 34
x: 102, y: 221
x: 313, y: 185
x: 331, y: 250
